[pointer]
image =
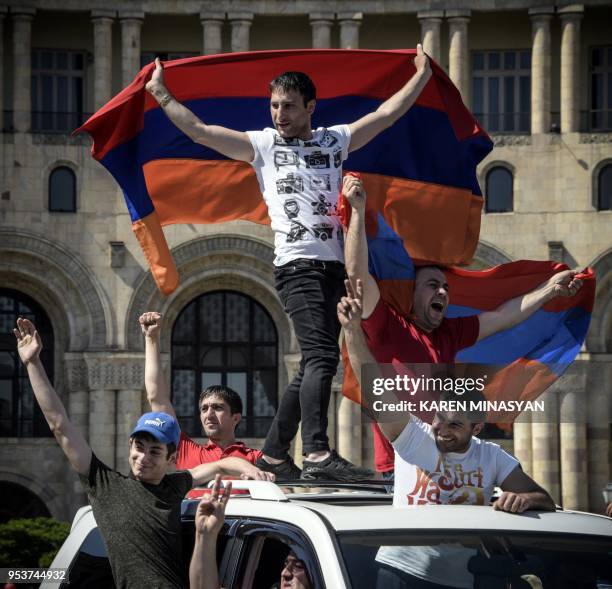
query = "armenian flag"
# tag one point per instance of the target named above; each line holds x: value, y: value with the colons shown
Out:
x: 420, y: 173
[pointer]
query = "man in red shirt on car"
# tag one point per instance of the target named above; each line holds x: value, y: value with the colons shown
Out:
x: 220, y: 410
x: 427, y: 335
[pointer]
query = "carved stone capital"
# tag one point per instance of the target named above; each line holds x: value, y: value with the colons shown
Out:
x: 115, y: 370
x: 504, y: 140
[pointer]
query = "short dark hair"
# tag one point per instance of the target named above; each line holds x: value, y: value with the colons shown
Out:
x: 171, y: 448
x: 296, y: 81
x: 230, y: 396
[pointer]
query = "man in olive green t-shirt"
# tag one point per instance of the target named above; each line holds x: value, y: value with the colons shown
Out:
x: 138, y: 515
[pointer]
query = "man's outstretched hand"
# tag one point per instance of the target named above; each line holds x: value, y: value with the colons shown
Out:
x: 565, y: 284
x: 354, y: 192
x: 421, y: 61
x: 349, y: 308
x: 156, y: 84
x: 150, y: 323
x: 210, y: 514
x: 29, y: 344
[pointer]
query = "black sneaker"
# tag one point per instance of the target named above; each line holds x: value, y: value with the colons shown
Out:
x: 285, y: 471
x: 335, y: 468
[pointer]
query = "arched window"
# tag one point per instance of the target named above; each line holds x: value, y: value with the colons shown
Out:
x: 226, y: 338
x: 19, y: 502
x: 62, y: 190
x: 20, y: 415
x: 604, y: 188
x: 499, y: 190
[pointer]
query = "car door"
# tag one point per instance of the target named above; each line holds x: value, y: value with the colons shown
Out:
x: 259, y: 550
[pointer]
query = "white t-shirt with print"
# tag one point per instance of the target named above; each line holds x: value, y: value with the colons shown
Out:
x: 300, y: 181
x: 423, y: 475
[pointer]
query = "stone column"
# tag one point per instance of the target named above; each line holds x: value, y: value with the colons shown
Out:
x: 241, y: 26
x: 540, y: 68
x: 129, y: 409
x: 573, y: 450
x: 598, y: 420
x: 131, y: 23
x: 22, y: 70
x: 112, y: 413
x: 458, y: 57
x: 78, y: 391
x: 321, y: 23
x: 212, y: 27
x: 570, y: 67
x: 349, y: 430
x: 103, y: 55
x: 430, y: 31
x: 545, y: 444
x: 522, y: 442
x: 3, y: 11
x: 349, y: 29
x: 102, y: 425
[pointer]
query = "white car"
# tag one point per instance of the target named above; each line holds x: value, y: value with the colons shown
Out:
x: 337, y: 534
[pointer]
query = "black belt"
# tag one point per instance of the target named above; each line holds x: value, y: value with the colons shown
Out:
x: 312, y: 263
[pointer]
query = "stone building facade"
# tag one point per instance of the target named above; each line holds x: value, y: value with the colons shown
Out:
x: 68, y: 256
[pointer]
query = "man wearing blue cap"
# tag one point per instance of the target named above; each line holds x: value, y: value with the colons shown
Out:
x: 138, y: 515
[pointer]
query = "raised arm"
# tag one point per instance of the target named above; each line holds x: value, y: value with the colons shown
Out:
x: 155, y: 383
x: 515, y: 311
x: 521, y: 492
x: 356, y: 245
x: 349, y: 315
x: 233, y: 144
x: 70, y: 439
x: 232, y: 467
x: 367, y: 127
x: 209, y: 518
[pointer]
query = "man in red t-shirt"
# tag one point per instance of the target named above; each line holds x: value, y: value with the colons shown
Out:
x: 427, y: 336
x: 220, y: 410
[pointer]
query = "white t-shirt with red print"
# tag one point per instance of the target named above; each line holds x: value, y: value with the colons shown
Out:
x: 424, y: 475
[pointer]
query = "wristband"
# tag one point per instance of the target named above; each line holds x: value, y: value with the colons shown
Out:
x: 165, y: 100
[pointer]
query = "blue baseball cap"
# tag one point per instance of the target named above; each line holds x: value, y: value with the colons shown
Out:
x: 161, y: 426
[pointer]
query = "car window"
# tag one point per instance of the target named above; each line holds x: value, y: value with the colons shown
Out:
x: 265, y: 548
x: 380, y: 559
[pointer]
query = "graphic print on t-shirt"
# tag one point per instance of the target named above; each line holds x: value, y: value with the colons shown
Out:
x: 337, y: 158
x: 292, y: 141
x: 292, y: 208
x: 286, y: 158
x: 448, y: 479
x: 321, y: 206
x: 323, y: 231
x: 296, y: 232
x: 299, y: 180
x: 317, y: 160
x: 290, y: 184
x: 320, y: 182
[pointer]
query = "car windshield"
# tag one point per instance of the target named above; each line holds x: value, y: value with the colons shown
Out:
x: 380, y: 559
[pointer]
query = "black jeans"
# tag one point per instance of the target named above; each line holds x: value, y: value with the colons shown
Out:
x: 310, y: 291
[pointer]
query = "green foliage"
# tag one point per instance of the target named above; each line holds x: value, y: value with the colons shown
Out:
x: 31, y: 542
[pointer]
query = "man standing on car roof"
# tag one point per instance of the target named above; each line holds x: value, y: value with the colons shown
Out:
x: 138, y: 515
x: 293, y: 161
x: 220, y: 410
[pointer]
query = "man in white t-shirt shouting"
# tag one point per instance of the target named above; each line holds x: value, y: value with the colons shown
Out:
x: 441, y: 463
x: 300, y: 171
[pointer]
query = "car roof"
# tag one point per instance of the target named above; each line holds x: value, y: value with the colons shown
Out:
x: 366, y: 509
